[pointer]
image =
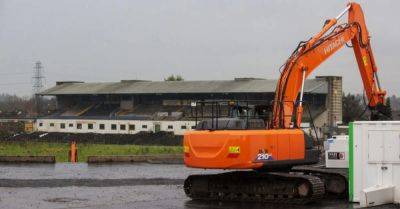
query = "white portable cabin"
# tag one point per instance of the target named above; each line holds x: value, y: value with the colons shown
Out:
x: 374, y: 163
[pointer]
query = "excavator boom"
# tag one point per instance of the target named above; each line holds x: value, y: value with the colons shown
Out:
x: 309, y: 55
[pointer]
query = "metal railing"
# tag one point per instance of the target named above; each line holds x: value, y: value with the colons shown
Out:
x: 240, y: 109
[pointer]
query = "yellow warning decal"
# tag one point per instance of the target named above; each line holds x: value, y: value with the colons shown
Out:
x: 234, y: 149
x: 186, y: 149
x: 365, y: 60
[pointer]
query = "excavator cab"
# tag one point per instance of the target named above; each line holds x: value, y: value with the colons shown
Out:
x: 231, y: 115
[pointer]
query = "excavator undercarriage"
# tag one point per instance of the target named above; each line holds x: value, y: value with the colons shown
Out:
x: 273, y: 187
x: 300, y: 185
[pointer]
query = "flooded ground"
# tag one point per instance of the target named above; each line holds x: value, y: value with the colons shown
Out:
x: 97, y: 171
x: 116, y: 186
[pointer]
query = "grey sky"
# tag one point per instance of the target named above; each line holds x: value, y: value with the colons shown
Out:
x: 105, y: 40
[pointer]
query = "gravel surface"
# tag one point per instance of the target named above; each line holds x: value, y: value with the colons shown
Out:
x: 116, y: 186
x: 132, y: 197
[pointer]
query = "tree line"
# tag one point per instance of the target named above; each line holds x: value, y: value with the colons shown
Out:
x: 355, y: 108
x: 14, y: 106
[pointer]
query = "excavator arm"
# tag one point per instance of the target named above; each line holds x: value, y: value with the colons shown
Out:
x: 309, y: 55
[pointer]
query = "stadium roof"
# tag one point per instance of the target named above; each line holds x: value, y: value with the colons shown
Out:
x: 243, y: 85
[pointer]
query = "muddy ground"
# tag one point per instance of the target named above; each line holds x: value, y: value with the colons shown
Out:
x: 112, y: 186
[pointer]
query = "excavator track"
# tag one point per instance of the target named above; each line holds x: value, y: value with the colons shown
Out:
x: 287, y: 188
x: 335, y: 179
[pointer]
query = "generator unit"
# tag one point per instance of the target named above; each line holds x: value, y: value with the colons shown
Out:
x: 337, y: 152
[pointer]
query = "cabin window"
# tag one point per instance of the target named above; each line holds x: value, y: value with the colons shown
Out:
x: 113, y: 126
x: 131, y: 127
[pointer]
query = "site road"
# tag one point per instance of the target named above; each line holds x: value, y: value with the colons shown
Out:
x: 116, y: 186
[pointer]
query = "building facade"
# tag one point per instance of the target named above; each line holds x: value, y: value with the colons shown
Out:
x: 131, y: 106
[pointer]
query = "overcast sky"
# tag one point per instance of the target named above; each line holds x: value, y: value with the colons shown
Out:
x: 106, y: 40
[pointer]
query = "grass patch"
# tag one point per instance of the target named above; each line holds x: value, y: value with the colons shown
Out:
x: 60, y: 150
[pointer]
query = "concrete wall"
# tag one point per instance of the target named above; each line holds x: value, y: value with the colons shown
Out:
x: 71, y: 126
x: 320, y: 123
x: 334, y: 100
x: 126, y: 104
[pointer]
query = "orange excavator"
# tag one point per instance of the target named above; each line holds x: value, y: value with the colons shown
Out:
x: 262, y: 158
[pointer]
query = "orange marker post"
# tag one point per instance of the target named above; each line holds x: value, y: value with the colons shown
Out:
x: 73, y: 153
